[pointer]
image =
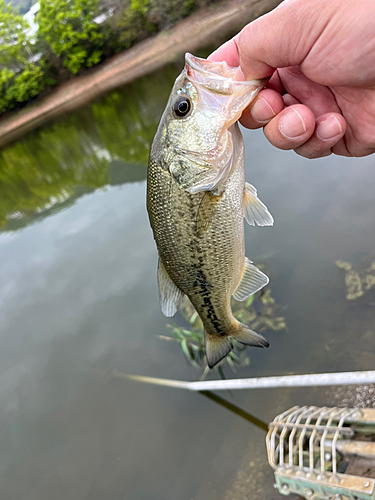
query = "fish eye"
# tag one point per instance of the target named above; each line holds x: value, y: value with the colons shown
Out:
x: 181, y: 107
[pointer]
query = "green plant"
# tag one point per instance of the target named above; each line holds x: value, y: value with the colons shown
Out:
x: 13, y: 37
x: 6, y: 77
x: 68, y: 28
x: 164, y: 13
x: 27, y: 84
x: 139, y: 5
x: 69, y: 39
x: 13, y: 52
x: 133, y: 24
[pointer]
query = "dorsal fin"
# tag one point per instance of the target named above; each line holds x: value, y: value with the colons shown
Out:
x: 252, y: 280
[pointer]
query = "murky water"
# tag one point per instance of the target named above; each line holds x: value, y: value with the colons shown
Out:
x: 79, y: 299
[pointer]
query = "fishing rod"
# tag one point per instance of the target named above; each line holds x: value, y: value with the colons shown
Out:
x: 305, y: 380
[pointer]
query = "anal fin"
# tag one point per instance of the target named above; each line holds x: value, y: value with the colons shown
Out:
x: 251, y: 282
x: 255, y: 212
x: 170, y: 296
x: 217, y: 348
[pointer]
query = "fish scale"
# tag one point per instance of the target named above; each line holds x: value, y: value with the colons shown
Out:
x: 183, y: 251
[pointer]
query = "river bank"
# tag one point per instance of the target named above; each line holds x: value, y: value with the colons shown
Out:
x: 205, y: 27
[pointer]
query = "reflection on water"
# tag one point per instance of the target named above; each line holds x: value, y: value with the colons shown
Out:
x: 105, y: 143
x: 78, y: 298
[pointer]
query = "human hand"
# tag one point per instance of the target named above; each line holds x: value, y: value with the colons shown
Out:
x: 320, y: 98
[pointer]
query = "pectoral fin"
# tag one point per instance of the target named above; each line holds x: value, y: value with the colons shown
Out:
x: 252, y: 280
x: 170, y: 296
x: 255, y: 212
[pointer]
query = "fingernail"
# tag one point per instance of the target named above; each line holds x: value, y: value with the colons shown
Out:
x: 262, y: 111
x: 329, y: 128
x: 291, y: 124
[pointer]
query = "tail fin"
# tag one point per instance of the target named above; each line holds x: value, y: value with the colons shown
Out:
x: 244, y: 335
x: 217, y: 348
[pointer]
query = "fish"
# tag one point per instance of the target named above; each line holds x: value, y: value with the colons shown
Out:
x: 197, y: 199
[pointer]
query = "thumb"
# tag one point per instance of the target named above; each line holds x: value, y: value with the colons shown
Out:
x: 282, y: 38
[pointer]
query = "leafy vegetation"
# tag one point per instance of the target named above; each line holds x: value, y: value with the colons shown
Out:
x: 359, y: 278
x: 19, y: 79
x: 73, y: 35
x: 12, y: 35
x: 68, y: 29
x: 27, y: 84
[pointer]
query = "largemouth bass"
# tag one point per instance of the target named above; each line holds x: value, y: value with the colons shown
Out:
x: 197, y: 199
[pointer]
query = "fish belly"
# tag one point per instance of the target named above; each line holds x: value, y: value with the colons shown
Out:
x: 205, y: 264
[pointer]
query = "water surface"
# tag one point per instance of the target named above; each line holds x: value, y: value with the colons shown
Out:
x: 79, y: 299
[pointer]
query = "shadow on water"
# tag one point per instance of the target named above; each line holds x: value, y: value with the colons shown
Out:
x: 236, y: 410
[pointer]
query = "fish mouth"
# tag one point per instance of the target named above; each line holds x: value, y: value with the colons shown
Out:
x: 220, y: 100
x: 218, y: 88
x: 219, y: 77
x: 208, y: 68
